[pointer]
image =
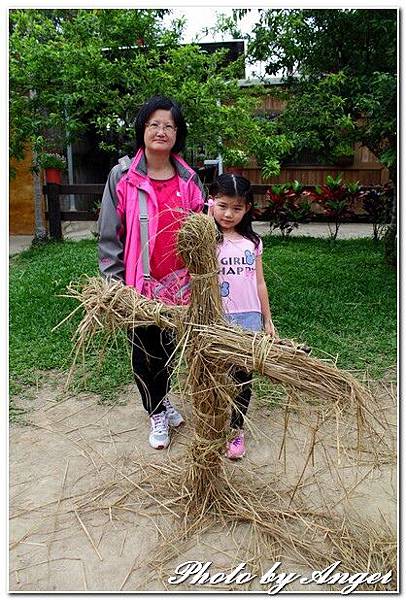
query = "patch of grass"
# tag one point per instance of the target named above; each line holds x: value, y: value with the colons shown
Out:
x: 340, y: 299
x: 38, y: 278
x: 94, y: 373
x: 268, y: 395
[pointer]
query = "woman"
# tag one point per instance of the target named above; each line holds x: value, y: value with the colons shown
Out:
x: 171, y: 189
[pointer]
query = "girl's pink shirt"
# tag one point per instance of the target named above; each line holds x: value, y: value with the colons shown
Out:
x: 237, y: 276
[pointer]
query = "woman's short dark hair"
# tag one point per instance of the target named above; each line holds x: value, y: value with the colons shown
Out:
x: 161, y: 103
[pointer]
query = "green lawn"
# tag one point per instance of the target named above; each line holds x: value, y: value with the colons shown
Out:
x: 37, y: 279
x: 340, y: 299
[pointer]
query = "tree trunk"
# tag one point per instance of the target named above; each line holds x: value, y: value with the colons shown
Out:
x: 40, y: 232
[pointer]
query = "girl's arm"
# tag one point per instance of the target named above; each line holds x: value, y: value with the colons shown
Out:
x: 264, y: 298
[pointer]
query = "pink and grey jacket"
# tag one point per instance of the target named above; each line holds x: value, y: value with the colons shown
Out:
x: 119, y: 225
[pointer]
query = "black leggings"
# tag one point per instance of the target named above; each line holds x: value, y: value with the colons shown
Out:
x: 151, y: 349
x: 242, y: 399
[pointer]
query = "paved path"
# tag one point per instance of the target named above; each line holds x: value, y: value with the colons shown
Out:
x: 75, y: 230
x: 71, y: 230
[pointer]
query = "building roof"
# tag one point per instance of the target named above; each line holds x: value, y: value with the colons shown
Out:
x: 262, y: 81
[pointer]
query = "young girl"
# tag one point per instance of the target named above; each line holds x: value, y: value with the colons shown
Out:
x: 242, y: 285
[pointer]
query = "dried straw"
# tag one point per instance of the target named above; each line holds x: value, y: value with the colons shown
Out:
x: 207, y: 384
x: 201, y: 485
x: 211, y: 348
x: 109, y: 306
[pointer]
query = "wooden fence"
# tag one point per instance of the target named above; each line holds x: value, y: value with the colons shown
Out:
x: 55, y: 215
x: 367, y: 175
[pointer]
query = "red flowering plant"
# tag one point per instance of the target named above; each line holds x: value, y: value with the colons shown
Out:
x: 287, y: 207
x: 336, y: 200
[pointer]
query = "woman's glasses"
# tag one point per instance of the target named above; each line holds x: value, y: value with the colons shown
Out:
x: 154, y: 127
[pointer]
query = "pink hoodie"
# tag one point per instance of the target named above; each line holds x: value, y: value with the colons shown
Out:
x: 119, y: 225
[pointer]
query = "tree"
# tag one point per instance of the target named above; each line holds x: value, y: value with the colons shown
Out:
x: 75, y: 69
x: 99, y: 66
x: 340, y: 66
x: 60, y: 69
x: 59, y: 73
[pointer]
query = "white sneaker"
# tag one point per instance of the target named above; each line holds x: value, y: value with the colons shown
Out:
x: 174, y: 417
x: 159, y: 434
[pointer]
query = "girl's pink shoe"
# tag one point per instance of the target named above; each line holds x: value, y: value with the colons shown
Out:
x: 236, y: 448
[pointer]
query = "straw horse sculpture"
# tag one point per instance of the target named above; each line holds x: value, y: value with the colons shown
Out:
x: 211, y: 347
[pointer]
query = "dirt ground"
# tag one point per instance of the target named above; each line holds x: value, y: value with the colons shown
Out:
x: 72, y: 458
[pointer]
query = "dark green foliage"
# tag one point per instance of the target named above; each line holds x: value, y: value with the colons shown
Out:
x: 377, y: 201
x: 340, y: 66
x: 75, y: 69
x: 390, y: 242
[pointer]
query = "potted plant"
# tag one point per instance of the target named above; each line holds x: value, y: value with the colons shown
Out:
x: 53, y: 164
x: 234, y: 160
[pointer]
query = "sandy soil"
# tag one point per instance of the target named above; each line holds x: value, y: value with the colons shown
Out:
x: 73, y: 458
